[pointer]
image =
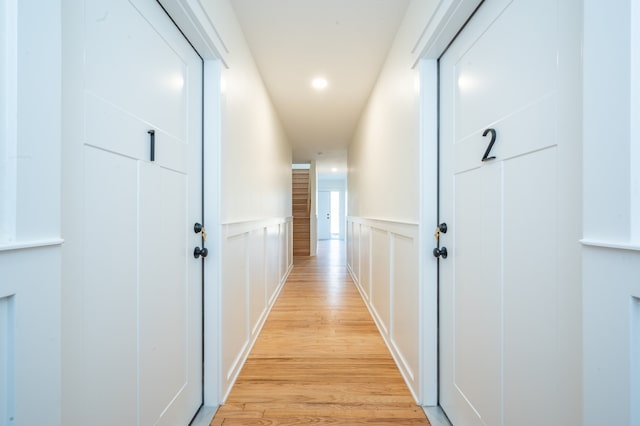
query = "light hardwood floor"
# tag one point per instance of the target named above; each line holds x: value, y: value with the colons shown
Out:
x: 320, y: 359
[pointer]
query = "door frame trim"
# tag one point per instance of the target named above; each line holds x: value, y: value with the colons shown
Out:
x: 448, y: 19
x: 212, y: 297
x: 193, y: 21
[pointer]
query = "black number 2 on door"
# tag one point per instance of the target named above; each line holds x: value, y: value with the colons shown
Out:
x: 486, y: 157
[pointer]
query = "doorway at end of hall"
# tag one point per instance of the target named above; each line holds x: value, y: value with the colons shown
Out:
x: 330, y: 215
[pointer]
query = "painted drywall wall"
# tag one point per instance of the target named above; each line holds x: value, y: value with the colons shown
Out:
x: 383, y: 188
x: 382, y: 258
x: 607, y: 212
x: 383, y: 158
x: 254, y: 255
x: 29, y: 103
x: 611, y: 202
x: 30, y: 144
x: 255, y: 153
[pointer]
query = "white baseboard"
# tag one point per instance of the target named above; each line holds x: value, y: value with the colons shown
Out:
x: 204, y: 416
x: 436, y: 416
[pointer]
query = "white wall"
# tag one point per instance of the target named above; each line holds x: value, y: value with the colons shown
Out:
x: 30, y: 66
x: 256, y: 259
x: 386, y: 145
x: 30, y: 144
x: 383, y: 188
x: 383, y: 174
x: 382, y: 257
x: 330, y: 184
x: 611, y: 253
x: 255, y: 253
x: 255, y: 153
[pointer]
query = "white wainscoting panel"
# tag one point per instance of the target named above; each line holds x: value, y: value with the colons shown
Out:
x: 256, y: 260
x: 349, y: 242
x: 355, y: 247
x: 382, y: 257
x: 257, y: 279
x: 283, y: 249
x: 635, y: 359
x: 365, y: 261
x: 235, y: 327
x: 404, y: 305
x: 380, y: 277
x: 271, y: 257
x: 30, y: 374
x: 611, y: 339
x: 7, y: 359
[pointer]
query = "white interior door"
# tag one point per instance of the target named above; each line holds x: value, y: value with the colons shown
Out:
x: 324, y: 215
x: 499, y: 285
x: 142, y: 296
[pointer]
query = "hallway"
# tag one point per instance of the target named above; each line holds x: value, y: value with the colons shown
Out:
x: 320, y: 358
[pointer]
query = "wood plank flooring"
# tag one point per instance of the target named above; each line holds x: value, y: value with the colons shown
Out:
x: 320, y: 359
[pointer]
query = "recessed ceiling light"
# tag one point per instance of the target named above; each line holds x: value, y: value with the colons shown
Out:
x: 319, y: 83
x: 334, y: 170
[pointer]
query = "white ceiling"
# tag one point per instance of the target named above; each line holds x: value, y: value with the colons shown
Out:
x: 344, y: 41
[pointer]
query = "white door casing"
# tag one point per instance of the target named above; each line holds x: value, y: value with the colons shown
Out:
x: 142, y: 300
x: 502, y: 313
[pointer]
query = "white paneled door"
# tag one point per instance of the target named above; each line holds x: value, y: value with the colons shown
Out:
x: 324, y: 215
x: 499, y: 195
x: 142, y: 301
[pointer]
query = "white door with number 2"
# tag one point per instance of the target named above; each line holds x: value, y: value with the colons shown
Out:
x: 502, y: 170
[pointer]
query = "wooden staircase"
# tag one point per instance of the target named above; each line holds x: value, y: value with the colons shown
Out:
x: 301, y: 206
